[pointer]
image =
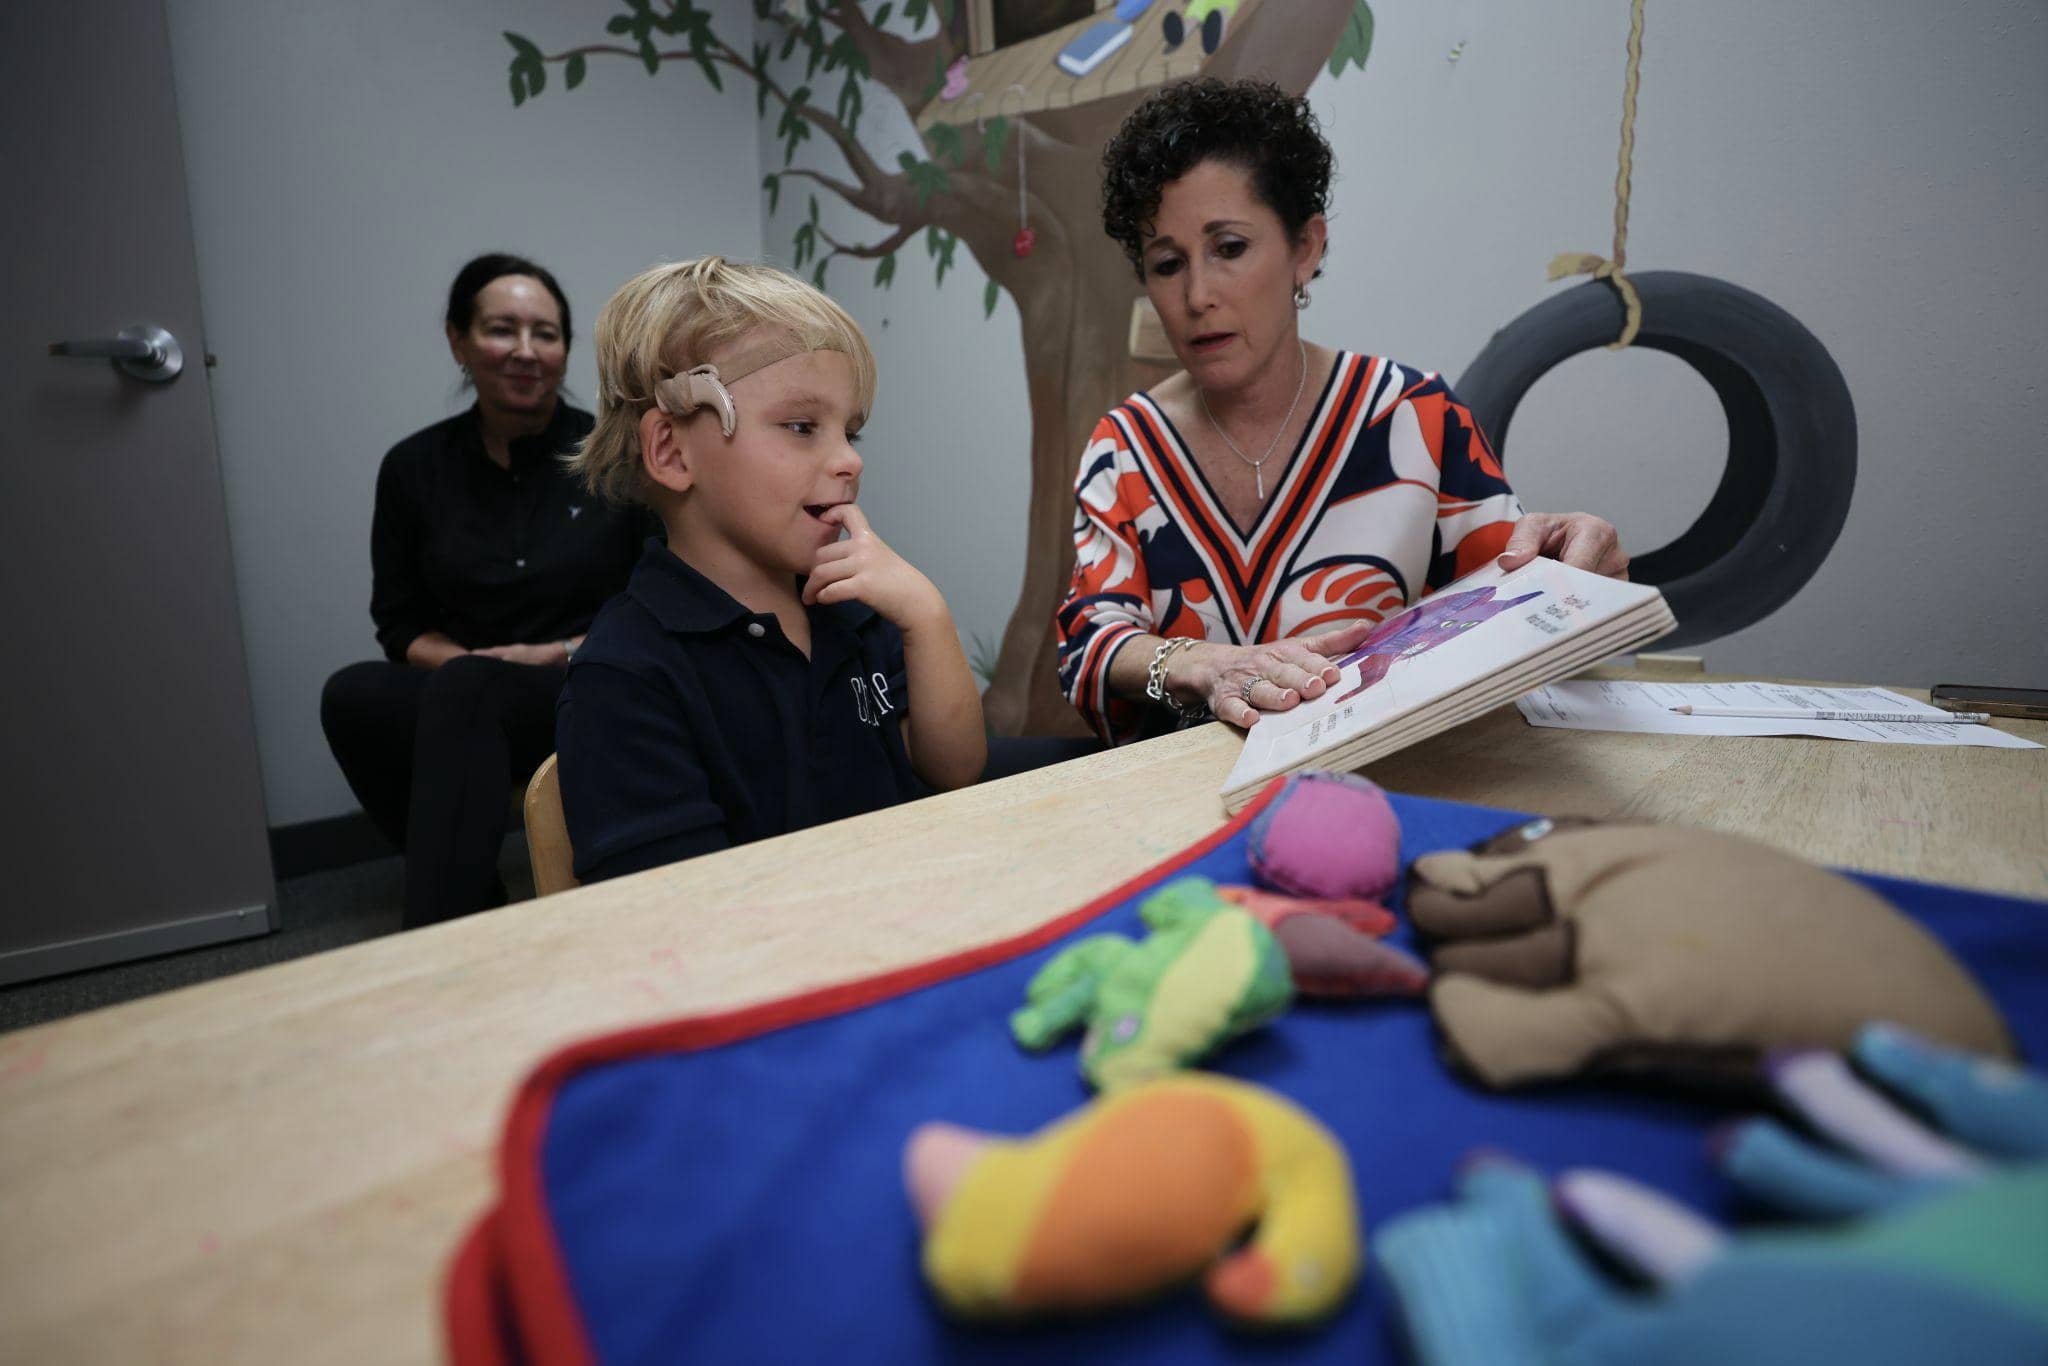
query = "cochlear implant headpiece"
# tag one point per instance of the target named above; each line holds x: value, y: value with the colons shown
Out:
x: 703, y: 386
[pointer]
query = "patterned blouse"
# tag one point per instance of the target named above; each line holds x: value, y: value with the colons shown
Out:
x: 1392, y: 493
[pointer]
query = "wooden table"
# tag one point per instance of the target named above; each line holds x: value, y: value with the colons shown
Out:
x: 275, y: 1166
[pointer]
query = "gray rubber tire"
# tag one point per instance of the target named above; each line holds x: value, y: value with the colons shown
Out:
x: 1791, y: 470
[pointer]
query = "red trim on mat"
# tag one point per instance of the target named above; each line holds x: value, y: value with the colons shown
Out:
x: 549, y: 1328
x: 473, y: 1308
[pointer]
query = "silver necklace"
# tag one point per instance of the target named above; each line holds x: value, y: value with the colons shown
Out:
x: 1259, y: 465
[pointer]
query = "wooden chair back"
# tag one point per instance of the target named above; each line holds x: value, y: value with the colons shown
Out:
x: 547, y: 833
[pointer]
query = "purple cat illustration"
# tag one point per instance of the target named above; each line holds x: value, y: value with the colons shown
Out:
x: 1421, y: 629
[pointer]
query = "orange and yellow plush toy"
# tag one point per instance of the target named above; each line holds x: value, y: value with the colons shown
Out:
x: 1135, y: 1193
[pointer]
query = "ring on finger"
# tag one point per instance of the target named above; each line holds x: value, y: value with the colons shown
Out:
x: 1245, y: 693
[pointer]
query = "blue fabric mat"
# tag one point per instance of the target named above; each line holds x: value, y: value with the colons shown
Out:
x: 746, y: 1203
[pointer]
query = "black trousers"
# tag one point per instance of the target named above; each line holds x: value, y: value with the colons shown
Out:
x: 432, y: 755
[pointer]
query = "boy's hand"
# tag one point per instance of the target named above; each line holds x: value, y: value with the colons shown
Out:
x: 862, y: 568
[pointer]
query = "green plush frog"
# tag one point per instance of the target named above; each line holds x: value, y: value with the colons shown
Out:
x: 1207, y: 972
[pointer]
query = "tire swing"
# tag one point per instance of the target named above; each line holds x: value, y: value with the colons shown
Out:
x: 1785, y: 492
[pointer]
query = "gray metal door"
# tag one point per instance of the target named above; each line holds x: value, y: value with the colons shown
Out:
x: 133, y: 806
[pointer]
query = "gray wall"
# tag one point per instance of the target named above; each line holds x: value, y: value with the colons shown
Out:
x: 1877, y: 170
x: 344, y: 160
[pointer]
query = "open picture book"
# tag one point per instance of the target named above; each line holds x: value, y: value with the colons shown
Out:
x: 1463, y: 650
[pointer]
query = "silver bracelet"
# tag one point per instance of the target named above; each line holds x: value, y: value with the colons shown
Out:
x: 1155, y: 681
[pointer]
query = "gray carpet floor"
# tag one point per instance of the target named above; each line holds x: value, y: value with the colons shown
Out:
x: 316, y: 912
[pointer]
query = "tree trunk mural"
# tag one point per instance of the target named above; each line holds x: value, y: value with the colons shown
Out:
x: 1073, y: 289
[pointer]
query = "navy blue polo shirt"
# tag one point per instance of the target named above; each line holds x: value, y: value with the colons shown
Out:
x: 689, y: 724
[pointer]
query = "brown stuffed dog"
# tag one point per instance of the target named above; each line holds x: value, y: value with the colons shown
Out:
x: 1576, y: 947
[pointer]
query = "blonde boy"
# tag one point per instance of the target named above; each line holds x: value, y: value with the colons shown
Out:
x: 761, y: 671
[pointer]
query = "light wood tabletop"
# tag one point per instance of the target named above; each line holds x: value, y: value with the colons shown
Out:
x: 275, y: 1166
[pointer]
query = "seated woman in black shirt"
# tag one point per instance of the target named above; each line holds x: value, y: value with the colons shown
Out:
x: 489, y: 561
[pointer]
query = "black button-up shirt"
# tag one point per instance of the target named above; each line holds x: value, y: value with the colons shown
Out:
x: 491, y: 556
x: 689, y: 723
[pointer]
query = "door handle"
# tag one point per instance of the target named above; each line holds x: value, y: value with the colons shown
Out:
x: 148, y: 353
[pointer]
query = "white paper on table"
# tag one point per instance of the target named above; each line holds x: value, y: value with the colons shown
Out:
x: 1632, y: 705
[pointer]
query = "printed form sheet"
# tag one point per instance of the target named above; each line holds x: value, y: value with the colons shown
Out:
x: 1584, y: 704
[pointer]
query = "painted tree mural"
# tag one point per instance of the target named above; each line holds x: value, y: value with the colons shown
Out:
x: 817, y: 66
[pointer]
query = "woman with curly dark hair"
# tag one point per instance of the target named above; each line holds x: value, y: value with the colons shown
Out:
x: 1243, y: 524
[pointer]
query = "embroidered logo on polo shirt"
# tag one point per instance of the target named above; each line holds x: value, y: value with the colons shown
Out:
x: 871, y: 698
x: 575, y: 511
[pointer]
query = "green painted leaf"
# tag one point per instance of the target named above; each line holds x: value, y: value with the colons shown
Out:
x: 572, y: 71
x: 1354, y: 45
x: 885, y: 271
x: 915, y: 11
x: 818, y: 275
x: 992, y: 141
x: 814, y: 211
x: 789, y: 45
x: 926, y: 178
x: 649, y: 58
x: 850, y: 104
x: 940, y: 244
x: 793, y: 130
x: 882, y: 14
x: 773, y: 185
x: 989, y: 294
x: 946, y: 143
x: 814, y: 39
x: 710, y: 71
x: 528, y: 69
x: 618, y: 23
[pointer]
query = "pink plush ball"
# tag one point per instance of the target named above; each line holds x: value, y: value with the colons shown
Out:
x: 1327, y: 835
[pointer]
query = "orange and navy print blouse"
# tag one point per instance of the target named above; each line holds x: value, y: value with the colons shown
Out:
x: 1392, y: 493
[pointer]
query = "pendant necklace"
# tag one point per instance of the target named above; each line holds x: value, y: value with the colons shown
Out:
x: 1259, y: 465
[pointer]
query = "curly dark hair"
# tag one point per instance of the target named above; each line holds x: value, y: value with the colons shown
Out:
x: 1256, y: 125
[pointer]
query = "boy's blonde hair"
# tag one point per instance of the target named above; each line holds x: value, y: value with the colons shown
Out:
x: 667, y: 319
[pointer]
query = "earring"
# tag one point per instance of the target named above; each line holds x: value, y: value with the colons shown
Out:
x: 1300, y: 297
